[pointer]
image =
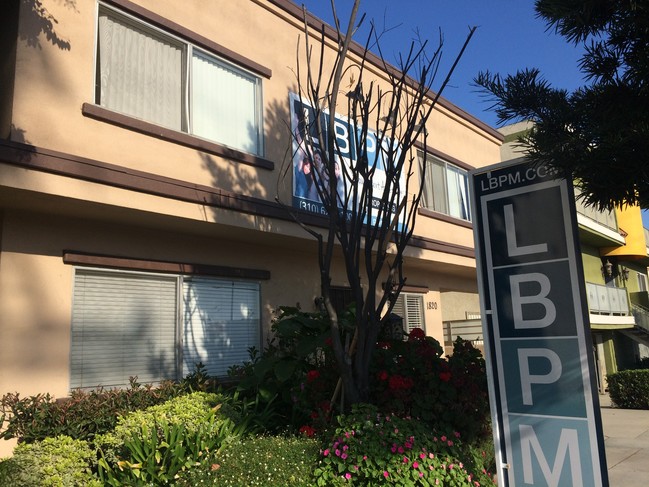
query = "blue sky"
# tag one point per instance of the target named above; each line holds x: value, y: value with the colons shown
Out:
x: 509, y: 37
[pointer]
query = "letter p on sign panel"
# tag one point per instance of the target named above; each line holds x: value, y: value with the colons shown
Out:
x: 545, y: 409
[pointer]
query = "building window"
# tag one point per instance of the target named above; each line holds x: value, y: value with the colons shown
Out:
x: 446, y: 189
x: 149, y: 74
x: 157, y: 327
x: 642, y: 282
x: 410, y: 307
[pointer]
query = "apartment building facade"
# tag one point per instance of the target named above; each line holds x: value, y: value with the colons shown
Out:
x: 141, y: 153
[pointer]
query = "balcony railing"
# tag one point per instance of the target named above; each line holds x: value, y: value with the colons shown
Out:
x: 605, y: 218
x: 470, y: 330
x: 641, y: 316
x: 606, y: 300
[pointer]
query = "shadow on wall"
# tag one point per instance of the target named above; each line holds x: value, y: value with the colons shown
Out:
x: 38, y: 20
x: 242, y: 179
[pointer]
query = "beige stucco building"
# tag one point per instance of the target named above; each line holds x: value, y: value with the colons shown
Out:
x: 139, y: 231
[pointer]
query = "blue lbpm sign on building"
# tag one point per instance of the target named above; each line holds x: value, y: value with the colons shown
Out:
x: 547, y: 424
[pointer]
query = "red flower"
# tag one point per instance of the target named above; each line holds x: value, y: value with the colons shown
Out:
x: 397, y: 382
x: 315, y: 415
x: 416, y: 334
x: 312, y: 375
x: 383, y: 375
x: 329, y: 341
x: 307, y: 430
x: 383, y: 345
x: 444, y: 376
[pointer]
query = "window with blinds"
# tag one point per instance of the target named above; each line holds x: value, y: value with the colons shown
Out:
x: 411, y: 308
x: 147, y: 73
x: 221, y: 320
x: 642, y: 282
x: 157, y: 327
x: 446, y: 189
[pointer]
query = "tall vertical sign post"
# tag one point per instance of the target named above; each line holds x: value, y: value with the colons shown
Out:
x: 545, y: 409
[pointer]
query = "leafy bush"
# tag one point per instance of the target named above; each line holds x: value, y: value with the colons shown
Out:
x: 155, y: 444
x: 410, y: 378
x: 370, y: 448
x: 296, y: 375
x: 53, y: 462
x: 83, y: 415
x: 259, y: 461
x: 629, y: 388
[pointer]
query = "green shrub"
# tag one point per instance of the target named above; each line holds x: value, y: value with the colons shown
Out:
x: 629, y: 388
x: 155, y: 444
x: 83, y: 415
x: 295, y: 377
x: 259, y: 461
x: 53, y: 462
x: 370, y: 448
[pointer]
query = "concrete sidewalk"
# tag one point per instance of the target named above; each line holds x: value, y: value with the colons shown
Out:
x: 626, y: 439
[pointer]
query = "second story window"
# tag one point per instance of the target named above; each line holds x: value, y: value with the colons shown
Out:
x: 149, y: 74
x: 446, y: 189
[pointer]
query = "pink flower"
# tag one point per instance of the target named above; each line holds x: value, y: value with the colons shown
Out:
x: 364, y: 457
x: 312, y: 375
x: 405, y: 460
x: 400, y: 449
x: 337, y: 452
x: 343, y: 456
x: 450, y: 443
x: 348, y: 476
x: 443, y: 438
x: 326, y: 452
x: 415, y: 465
x: 457, y: 434
x: 386, y: 474
x: 422, y: 455
x: 421, y: 474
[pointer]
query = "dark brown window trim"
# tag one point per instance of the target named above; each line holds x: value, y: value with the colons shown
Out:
x: 72, y: 257
x: 415, y: 289
x: 445, y: 157
x: 69, y: 165
x: 412, y: 289
x: 125, y: 121
x: 188, y: 35
x: 441, y: 216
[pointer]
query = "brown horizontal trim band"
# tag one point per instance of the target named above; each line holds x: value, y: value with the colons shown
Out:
x: 189, y: 35
x: 121, y: 120
x: 411, y: 288
x: 83, y: 259
x: 441, y: 155
x: 441, y: 216
x: 439, y: 246
x: 315, y: 23
x: 415, y: 289
x: 68, y: 165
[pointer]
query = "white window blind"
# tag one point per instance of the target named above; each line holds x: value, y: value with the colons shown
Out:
x: 123, y: 325
x: 224, y: 103
x: 411, y: 308
x: 143, y: 71
x: 140, y: 71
